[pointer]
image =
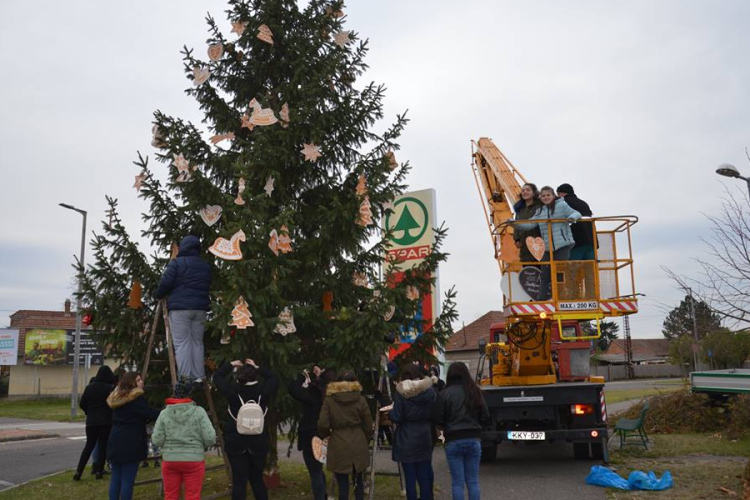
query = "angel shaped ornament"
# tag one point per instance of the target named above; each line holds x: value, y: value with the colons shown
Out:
x: 285, y: 325
x: 240, y: 190
x: 268, y: 188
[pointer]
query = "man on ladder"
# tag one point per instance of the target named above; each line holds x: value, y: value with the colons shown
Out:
x: 187, y: 282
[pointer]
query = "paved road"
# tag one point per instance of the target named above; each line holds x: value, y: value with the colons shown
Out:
x: 622, y: 385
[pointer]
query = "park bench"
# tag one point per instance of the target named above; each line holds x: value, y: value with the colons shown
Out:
x: 626, y: 427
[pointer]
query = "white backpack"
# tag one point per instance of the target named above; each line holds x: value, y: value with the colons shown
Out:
x: 249, y: 418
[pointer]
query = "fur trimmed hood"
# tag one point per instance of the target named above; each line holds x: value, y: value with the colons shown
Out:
x: 117, y: 399
x: 339, y: 387
x: 411, y: 388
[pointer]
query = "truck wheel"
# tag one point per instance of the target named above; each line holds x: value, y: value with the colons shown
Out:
x: 489, y: 453
x: 581, y: 451
x: 597, y: 451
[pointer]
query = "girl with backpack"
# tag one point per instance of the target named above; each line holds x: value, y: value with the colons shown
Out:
x: 248, y: 394
x: 413, y: 404
x: 128, y: 441
x: 310, y: 391
x: 460, y: 411
x: 345, y: 417
x: 183, y: 431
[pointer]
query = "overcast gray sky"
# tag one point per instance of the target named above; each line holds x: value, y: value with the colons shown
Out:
x: 634, y: 103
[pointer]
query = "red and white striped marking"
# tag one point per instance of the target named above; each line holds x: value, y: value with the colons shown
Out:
x: 604, y: 407
x: 532, y: 308
x: 619, y: 305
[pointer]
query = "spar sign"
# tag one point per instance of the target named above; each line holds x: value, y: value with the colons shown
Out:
x: 411, y: 225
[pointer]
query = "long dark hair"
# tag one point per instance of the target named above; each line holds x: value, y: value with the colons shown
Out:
x: 324, y: 379
x: 127, y: 382
x: 551, y: 206
x: 411, y: 372
x: 247, y: 373
x: 458, y: 373
x: 535, y: 192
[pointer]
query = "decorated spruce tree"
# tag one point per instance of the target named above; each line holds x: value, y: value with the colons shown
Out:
x: 286, y: 182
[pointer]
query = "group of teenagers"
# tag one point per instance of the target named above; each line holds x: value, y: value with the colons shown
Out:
x: 334, y: 409
x: 565, y: 239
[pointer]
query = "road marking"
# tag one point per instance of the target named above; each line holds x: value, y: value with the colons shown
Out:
x: 5, y: 483
x: 77, y: 437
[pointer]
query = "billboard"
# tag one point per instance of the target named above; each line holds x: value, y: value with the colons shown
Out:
x: 412, y: 221
x: 45, y: 347
x: 8, y: 347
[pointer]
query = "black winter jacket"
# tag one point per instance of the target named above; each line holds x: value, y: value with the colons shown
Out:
x: 413, y: 404
x: 311, y: 398
x: 452, y: 414
x: 261, y: 392
x: 583, y: 232
x: 128, y: 440
x: 187, y: 279
x: 94, y: 399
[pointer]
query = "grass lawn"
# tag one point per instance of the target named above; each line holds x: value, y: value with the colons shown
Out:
x: 39, y: 409
x: 700, y: 464
x: 295, y: 485
x: 628, y: 394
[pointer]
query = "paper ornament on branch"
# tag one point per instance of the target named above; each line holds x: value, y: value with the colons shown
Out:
x: 392, y: 163
x: 240, y: 190
x: 134, y: 299
x: 412, y: 292
x: 211, y: 214
x: 239, y: 27
x: 228, y: 249
x: 285, y: 325
x: 260, y: 116
x: 273, y: 242
x: 241, y: 315
x: 388, y: 205
x: 268, y: 188
x: 284, y: 115
x: 362, y: 185
x: 200, y: 75
x: 331, y: 13
x: 364, y: 218
x: 360, y: 279
x: 221, y: 137
x: 157, y: 137
x: 285, y: 242
x: 327, y: 302
x: 535, y: 246
x: 215, y: 51
x: 264, y: 34
x: 341, y: 38
x: 139, y: 181
x: 389, y: 313
x: 183, y: 167
x: 311, y: 152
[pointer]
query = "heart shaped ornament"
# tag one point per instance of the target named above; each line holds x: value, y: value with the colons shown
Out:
x: 535, y: 246
x: 211, y: 214
x: 215, y: 51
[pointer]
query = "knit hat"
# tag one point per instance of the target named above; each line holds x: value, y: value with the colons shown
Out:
x: 183, y: 388
x: 566, y: 188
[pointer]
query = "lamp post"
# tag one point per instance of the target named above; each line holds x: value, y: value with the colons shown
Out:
x: 77, y: 341
x: 728, y: 170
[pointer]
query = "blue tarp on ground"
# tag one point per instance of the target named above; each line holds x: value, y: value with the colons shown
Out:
x: 602, y: 476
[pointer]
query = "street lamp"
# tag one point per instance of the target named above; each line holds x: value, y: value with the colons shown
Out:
x: 77, y: 341
x: 728, y: 170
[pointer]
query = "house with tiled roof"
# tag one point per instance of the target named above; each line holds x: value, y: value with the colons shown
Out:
x: 463, y: 345
x: 645, y: 351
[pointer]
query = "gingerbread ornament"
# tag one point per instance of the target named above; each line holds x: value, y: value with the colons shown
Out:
x: 222, y: 137
x: 535, y: 246
x: 239, y: 27
x: 139, y: 181
x: 268, y: 188
x: 241, y: 316
x: 261, y: 116
x: 284, y: 115
x: 183, y: 167
x: 240, y: 190
x: 210, y: 214
x: 273, y: 242
x: 215, y: 51
x: 311, y: 152
x: 285, y: 326
x: 364, y: 218
x: 360, y: 279
x: 264, y: 34
x: 285, y: 242
x: 200, y: 75
x: 341, y: 38
x: 228, y: 249
x: 362, y: 185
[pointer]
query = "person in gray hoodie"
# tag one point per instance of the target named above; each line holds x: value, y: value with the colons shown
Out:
x: 561, y: 241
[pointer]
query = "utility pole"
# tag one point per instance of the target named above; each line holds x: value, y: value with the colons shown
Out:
x: 695, y: 329
x: 628, y: 347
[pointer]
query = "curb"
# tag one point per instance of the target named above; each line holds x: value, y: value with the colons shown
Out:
x: 28, y: 437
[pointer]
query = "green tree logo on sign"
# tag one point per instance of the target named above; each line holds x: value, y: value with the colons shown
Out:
x: 408, y: 229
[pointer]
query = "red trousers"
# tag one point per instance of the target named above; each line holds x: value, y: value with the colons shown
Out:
x: 175, y: 474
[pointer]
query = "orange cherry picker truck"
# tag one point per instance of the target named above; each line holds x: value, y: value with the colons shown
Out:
x: 535, y: 371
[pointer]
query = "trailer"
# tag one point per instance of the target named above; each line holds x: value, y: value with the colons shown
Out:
x: 721, y: 382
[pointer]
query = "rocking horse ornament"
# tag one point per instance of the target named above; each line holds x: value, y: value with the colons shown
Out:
x: 228, y: 249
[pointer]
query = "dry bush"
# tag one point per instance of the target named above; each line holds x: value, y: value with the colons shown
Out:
x: 680, y: 411
x: 739, y: 416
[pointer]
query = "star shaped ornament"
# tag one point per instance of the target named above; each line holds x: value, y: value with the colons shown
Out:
x: 269, y: 186
x: 239, y: 27
x: 341, y: 38
x: 183, y: 167
x: 311, y: 152
x: 139, y: 181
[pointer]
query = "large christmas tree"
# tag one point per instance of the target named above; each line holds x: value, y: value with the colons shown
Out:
x: 289, y: 181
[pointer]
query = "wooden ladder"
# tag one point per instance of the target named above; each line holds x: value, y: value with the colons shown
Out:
x: 163, y: 314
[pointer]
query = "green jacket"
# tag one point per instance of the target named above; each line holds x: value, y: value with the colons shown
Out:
x: 183, y: 431
x: 345, y: 417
